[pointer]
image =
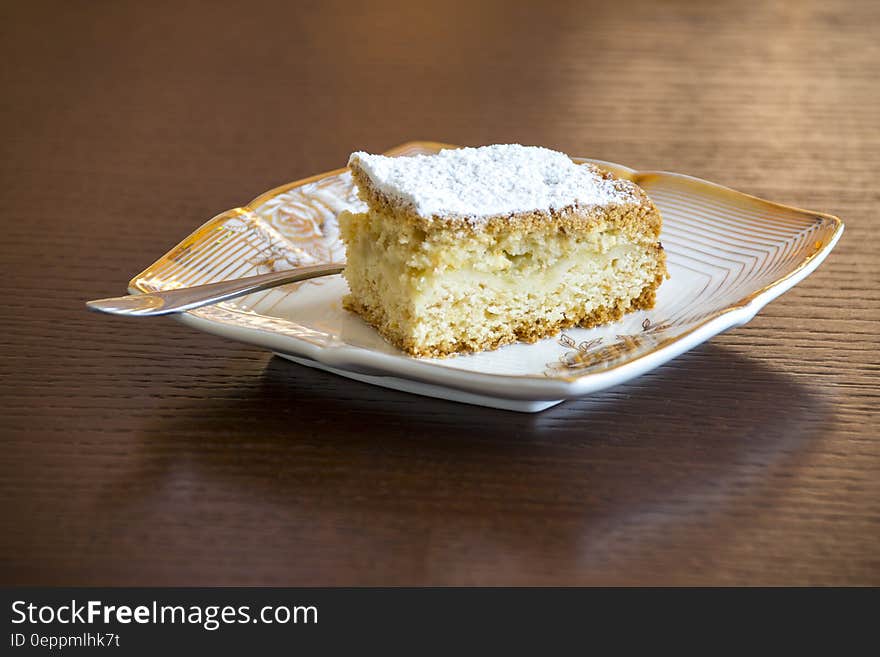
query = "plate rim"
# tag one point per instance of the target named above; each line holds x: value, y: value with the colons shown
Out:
x: 515, y: 386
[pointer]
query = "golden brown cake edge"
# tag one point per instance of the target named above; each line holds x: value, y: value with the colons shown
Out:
x: 597, y: 317
x: 638, y: 218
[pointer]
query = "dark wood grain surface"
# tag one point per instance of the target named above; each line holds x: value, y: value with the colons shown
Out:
x: 144, y: 452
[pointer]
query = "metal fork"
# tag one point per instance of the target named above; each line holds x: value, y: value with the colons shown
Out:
x: 187, y: 298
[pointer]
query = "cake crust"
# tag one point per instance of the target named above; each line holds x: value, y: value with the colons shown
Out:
x: 524, y: 333
x: 639, y: 216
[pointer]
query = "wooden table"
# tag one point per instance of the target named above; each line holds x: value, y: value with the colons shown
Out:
x: 144, y: 452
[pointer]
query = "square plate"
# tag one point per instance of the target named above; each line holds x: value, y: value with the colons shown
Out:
x: 728, y: 255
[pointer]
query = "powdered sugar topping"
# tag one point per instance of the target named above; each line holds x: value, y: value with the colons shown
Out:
x: 489, y: 181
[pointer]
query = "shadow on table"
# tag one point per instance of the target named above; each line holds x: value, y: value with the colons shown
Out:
x: 354, y: 484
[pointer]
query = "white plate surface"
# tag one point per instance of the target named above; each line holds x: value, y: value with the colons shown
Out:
x: 729, y: 254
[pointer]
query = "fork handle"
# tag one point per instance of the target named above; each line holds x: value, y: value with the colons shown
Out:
x: 186, y: 298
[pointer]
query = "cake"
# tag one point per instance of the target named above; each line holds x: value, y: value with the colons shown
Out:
x: 473, y: 248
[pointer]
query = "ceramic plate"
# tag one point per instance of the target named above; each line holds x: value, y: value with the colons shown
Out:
x: 729, y: 254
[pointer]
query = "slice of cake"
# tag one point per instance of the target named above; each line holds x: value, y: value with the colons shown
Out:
x: 474, y: 248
